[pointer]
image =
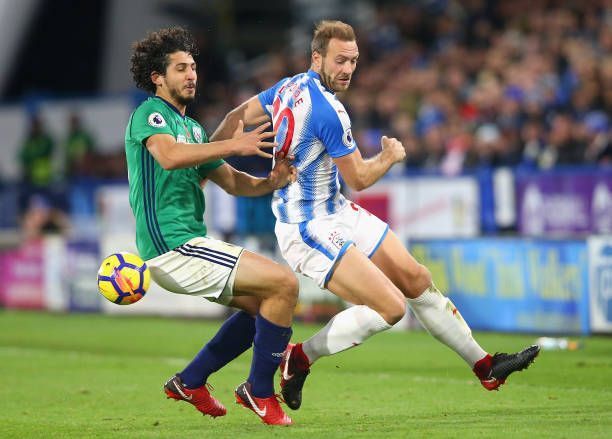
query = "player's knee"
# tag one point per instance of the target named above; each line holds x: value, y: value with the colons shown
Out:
x: 394, y: 310
x: 288, y: 287
x: 420, y: 281
x: 423, y: 277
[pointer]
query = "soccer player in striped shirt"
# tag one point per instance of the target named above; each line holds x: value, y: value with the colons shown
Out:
x: 168, y: 158
x: 337, y: 243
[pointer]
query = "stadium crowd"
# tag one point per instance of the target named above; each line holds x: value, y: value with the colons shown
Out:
x: 466, y: 84
x: 463, y: 84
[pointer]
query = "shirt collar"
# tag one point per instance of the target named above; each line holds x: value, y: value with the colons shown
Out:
x: 172, y: 107
x: 311, y: 73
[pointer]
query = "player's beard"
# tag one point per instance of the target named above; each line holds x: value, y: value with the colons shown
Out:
x: 180, y: 98
x: 329, y: 82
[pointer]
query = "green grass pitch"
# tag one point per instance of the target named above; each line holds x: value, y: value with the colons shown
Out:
x: 80, y: 375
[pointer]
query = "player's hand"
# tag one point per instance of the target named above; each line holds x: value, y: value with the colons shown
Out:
x: 282, y: 174
x: 394, y: 148
x: 252, y: 142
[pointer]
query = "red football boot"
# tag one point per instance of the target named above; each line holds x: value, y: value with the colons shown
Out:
x: 268, y: 409
x: 199, y: 397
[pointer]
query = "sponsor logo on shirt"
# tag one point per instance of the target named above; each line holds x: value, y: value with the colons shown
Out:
x: 156, y: 120
x: 181, y: 139
x: 197, y: 133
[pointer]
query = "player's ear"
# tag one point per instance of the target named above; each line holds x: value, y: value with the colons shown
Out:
x: 156, y: 78
x: 316, y: 60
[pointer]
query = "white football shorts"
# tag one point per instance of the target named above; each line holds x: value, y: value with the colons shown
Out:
x: 313, y: 247
x: 202, y: 266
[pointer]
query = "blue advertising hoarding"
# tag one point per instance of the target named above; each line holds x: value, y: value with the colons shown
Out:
x: 600, y: 266
x: 518, y: 285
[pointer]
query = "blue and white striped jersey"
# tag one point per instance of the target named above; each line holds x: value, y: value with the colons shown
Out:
x: 312, y: 125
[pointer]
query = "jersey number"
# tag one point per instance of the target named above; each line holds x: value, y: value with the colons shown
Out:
x: 278, y: 118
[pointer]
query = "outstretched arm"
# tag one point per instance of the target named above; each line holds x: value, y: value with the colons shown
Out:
x: 172, y: 155
x: 240, y: 183
x: 249, y: 112
x: 360, y: 174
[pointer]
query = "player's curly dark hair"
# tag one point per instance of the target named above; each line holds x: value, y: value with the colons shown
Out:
x: 151, y: 54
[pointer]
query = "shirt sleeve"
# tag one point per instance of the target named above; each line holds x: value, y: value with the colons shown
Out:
x: 333, y: 126
x: 148, y: 120
x: 266, y: 97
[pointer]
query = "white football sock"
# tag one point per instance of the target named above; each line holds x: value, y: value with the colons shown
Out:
x: 345, y: 330
x: 442, y: 319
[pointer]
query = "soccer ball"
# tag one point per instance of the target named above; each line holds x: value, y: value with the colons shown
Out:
x: 123, y: 278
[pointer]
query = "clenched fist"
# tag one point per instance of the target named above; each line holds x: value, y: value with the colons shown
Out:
x: 393, y: 148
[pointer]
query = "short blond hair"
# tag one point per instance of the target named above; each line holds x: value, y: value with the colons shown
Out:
x: 326, y: 30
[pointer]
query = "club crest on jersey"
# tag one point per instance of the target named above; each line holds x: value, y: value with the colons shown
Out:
x: 197, y: 133
x: 156, y: 120
x: 347, y: 138
x: 336, y: 239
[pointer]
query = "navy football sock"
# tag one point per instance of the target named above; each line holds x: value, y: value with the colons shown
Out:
x: 233, y: 338
x: 270, y: 343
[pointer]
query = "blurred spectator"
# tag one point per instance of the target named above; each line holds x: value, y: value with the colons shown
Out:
x: 415, y: 155
x: 42, y: 218
x: 457, y: 146
x: 596, y: 131
x: 36, y: 155
x: 562, y: 147
x: 434, y: 143
x: 532, y: 137
x: 79, y: 149
x: 487, y: 140
x: 359, y: 109
x: 36, y: 159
